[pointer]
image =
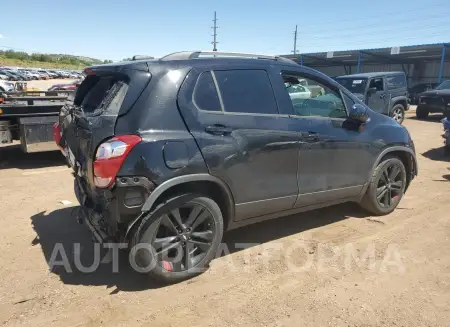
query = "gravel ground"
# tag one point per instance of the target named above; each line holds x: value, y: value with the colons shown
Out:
x: 301, y: 270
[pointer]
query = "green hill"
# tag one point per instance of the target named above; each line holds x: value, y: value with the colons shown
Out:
x: 24, y: 59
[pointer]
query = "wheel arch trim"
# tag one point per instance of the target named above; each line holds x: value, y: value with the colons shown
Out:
x: 154, y: 196
x: 395, y: 149
x: 183, y: 180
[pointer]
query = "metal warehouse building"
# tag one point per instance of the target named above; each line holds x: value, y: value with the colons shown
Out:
x: 425, y: 63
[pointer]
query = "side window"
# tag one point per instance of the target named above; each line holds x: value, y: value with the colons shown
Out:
x: 395, y: 82
x: 205, y: 95
x: 377, y: 83
x: 310, y: 97
x: 246, y: 91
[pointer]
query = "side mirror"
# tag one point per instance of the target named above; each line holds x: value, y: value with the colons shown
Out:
x: 372, y: 90
x: 359, y: 113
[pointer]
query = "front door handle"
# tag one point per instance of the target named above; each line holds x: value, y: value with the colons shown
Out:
x: 382, y: 96
x: 218, y: 129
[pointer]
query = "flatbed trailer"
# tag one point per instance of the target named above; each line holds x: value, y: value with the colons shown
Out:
x: 30, y: 119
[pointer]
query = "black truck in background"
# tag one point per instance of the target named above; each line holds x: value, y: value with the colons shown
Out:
x: 29, y: 116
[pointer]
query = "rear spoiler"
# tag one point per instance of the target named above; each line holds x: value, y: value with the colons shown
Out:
x: 142, y: 58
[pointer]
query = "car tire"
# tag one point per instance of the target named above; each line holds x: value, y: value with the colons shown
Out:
x: 386, y: 187
x: 202, y: 241
x: 398, y: 113
x: 422, y: 113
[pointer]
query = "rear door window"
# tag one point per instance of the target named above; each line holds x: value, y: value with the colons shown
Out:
x: 395, y: 82
x: 246, y: 91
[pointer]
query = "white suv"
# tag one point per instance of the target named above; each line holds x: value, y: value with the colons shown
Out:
x: 6, y: 86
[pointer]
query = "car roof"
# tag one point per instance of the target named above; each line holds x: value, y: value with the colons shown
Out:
x: 196, y: 58
x: 370, y: 75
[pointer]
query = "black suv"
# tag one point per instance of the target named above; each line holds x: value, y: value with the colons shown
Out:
x: 434, y: 101
x: 170, y: 153
x: 384, y: 92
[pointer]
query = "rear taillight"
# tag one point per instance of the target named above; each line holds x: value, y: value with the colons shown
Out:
x: 57, y: 134
x: 110, y: 156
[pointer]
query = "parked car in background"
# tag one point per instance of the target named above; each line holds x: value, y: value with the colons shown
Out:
x: 296, y: 90
x: 414, y: 91
x: 383, y: 92
x: 4, y: 77
x: 434, y: 101
x: 212, y: 144
x: 22, y: 75
x: 59, y: 73
x: 27, y: 74
x: 35, y: 74
x: 6, y: 86
x: 11, y: 77
x: 30, y: 74
x: 66, y: 86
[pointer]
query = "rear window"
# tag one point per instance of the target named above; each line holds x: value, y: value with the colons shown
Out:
x: 205, y: 94
x: 395, y: 81
x: 99, y: 94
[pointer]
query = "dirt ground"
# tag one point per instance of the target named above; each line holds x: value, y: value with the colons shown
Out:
x: 301, y: 270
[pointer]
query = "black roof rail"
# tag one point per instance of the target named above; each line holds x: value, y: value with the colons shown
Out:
x: 142, y: 57
x: 185, y: 55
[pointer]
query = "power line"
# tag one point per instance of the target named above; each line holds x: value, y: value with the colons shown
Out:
x: 214, y: 42
x: 312, y: 28
x: 390, y: 14
x: 430, y: 4
x: 377, y: 42
x: 390, y: 31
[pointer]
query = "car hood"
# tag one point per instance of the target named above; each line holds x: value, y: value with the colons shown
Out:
x: 436, y: 92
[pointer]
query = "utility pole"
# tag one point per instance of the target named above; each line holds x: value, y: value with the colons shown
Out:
x: 295, y: 41
x: 214, y: 42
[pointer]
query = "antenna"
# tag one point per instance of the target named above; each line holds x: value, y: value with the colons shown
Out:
x: 214, y: 42
x: 295, y: 41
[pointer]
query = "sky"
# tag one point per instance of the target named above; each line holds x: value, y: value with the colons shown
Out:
x: 117, y: 29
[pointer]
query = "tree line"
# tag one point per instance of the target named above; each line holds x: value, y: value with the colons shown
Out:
x: 56, y: 58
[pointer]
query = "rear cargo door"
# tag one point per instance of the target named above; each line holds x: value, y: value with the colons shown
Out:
x: 102, y: 97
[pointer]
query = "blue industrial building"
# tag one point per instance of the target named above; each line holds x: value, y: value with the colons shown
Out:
x: 421, y: 63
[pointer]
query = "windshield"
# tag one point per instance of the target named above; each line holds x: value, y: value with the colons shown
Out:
x: 444, y: 85
x: 354, y: 85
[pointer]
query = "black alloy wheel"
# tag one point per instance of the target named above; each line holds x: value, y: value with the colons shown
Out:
x: 390, y: 186
x: 184, y: 233
x: 386, y: 187
x: 183, y: 237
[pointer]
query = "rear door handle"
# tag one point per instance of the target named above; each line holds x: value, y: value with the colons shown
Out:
x: 310, y: 136
x: 218, y: 129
